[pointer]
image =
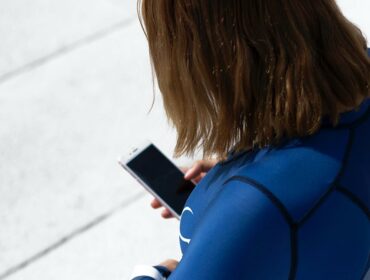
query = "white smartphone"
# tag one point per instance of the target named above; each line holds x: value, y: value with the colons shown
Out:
x: 158, y: 175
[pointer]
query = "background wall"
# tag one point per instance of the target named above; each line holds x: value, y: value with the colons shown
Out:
x: 75, y: 90
x: 357, y: 11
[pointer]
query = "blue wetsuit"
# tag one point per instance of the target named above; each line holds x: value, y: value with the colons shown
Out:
x: 299, y: 211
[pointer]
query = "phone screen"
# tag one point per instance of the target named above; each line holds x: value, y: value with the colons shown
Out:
x: 162, y: 176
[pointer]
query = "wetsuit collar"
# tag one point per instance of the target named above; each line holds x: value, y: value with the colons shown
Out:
x: 351, y: 116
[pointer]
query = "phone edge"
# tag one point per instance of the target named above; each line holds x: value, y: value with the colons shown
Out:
x: 146, y: 187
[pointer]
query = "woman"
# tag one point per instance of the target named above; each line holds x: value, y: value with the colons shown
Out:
x: 279, y: 92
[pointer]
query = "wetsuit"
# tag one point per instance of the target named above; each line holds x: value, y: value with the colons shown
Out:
x: 298, y: 211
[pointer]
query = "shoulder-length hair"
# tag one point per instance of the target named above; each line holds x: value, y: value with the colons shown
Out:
x: 249, y: 73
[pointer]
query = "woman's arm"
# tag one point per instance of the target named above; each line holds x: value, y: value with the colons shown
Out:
x: 242, y: 235
x: 195, y: 173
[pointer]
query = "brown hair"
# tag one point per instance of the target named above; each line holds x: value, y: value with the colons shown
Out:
x: 250, y: 73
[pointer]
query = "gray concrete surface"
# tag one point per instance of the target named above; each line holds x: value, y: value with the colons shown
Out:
x: 75, y: 91
x: 74, y: 95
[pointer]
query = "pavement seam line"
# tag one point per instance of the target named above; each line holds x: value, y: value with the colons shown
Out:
x: 38, y: 62
x: 77, y: 232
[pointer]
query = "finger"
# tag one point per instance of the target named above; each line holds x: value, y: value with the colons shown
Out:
x: 170, y: 264
x: 156, y: 203
x: 199, y: 167
x: 166, y: 214
x: 193, y: 171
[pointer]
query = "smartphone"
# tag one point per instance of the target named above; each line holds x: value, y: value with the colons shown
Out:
x: 158, y: 175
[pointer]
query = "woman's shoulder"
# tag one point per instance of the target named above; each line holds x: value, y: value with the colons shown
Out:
x: 297, y: 174
x: 303, y: 170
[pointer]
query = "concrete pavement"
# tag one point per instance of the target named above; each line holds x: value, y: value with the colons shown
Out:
x: 74, y: 95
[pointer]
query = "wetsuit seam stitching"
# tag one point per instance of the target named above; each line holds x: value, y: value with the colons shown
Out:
x: 354, y: 199
x: 294, y: 250
x: 332, y: 187
x: 266, y: 192
x: 293, y: 227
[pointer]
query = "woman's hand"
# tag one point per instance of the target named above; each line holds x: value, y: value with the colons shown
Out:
x: 170, y: 264
x: 194, y: 173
